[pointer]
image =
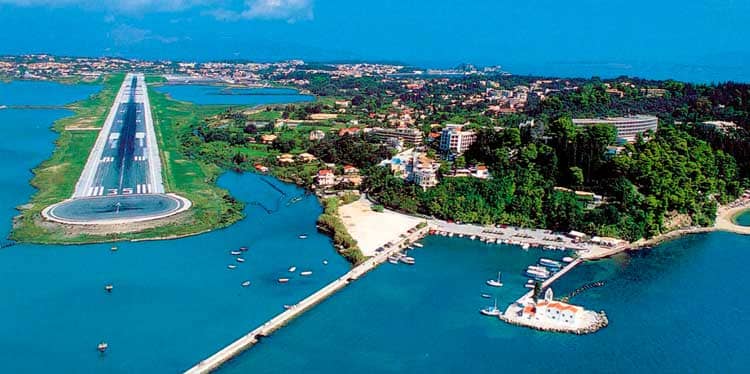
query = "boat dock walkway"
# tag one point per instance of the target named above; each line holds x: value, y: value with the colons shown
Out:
x: 553, y: 278
x: 248, y: 340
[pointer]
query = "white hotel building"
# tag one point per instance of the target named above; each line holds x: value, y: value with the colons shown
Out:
x: 627, y: 127
x: 454, y: 139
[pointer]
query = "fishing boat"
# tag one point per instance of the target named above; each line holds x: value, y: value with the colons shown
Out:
x: 492, y: 311
x: 102, y: 347
x: 303, y: 236
x: 495, y: 282
x: 305, y: 273
x: 283, y: 280
x: 292, y: 269
x: 231, y: 266
x: 240, y: 259
x: 245, y: 283
x: 235, y: 253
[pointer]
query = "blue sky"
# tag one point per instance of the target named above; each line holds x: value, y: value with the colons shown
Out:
x: 656, y: 38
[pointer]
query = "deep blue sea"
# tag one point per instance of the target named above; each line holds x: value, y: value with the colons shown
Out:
x: 677, y: 308
x: 212, y: 94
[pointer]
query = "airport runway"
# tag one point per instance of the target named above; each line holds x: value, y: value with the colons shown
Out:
x: 124, y: 160
x: 121, y: 181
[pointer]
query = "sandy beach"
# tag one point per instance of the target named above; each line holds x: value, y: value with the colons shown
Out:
x: 372, y: 229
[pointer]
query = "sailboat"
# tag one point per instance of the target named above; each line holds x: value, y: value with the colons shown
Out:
x: 491, y: 310
x: 495, y: 282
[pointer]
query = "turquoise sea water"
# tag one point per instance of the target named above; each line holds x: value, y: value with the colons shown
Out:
x: 678, y: 308
x: 174, y: 302
x: 743, y: 219
x: 210, y: 94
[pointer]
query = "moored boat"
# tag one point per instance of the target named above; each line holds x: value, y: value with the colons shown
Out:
x: 549, y: 263
x: 418, y: 245
x: 492, y: 311
x: 495, y: 282
x: 408, y: 260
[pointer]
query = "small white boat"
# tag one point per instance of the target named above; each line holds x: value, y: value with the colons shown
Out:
x: 292, y: 269
x: 245, y: 283
x: 525, y: 245
x: 408, y: 260
x: 283, y: 280
x: 486, y: 296
x: 235, y: 253
x: 303, y: 236
x: 495, y: 282
x: 473, y: 237
x: 102, y: 346
x: 243, y: 249
x: 567, y: 259
x: 108, y: 288
x: 231, y: 266
x: 240, y: 259
x: 492, y: 311
x: 114, y: 248
x: 325, y: 262
x: 305, y: 273
x: 529, y: 285
x: 393, y: 260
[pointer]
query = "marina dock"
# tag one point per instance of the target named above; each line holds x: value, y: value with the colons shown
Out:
x: 248, y: 340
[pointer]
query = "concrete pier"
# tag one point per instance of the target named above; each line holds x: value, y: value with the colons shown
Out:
x: 248, y: 340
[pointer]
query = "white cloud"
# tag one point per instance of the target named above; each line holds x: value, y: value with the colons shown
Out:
x: 288, y: 10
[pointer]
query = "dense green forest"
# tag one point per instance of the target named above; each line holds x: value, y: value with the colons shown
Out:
x: 644, y: 185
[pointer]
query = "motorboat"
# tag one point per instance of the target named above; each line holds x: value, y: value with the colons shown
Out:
x: 245, y: 283
x: 292, y: 269
x: 108, y: 288
x: 102, y: 347
x: 231, y: 266
x: 305, y: 273
x: 408, y: 260
x: 325, y: 262
x: 235, y: 253
x: 486, y: 296
x: 243, y: 249
x: 283, y: 280
x: 496, y: 282
x: 240, y: 259
x: 303, y: 236
x: 549, y: 263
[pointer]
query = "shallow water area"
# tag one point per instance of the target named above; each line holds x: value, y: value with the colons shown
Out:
x: 216, y: 94
x: 173, y: 302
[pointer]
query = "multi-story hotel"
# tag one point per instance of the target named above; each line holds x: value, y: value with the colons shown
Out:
x: 406, y: 134
x: 454, y: 139
x: 627, y: 127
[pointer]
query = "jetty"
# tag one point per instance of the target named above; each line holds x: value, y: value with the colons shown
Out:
x: 251, y: 338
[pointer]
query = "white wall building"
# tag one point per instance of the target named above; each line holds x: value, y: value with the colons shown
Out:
x: 454, y: 139
x: 627, y: 127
